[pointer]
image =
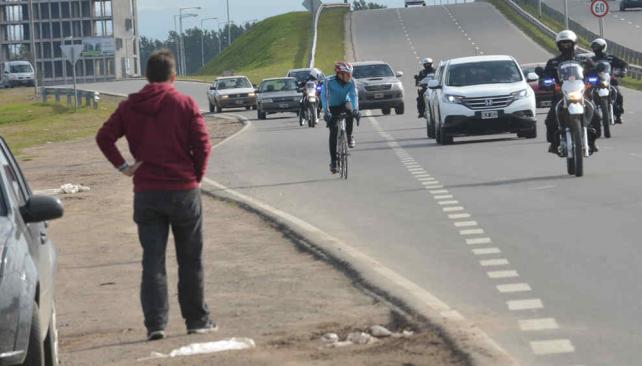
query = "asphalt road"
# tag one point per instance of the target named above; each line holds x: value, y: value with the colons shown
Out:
x: 623, y: 27
x: 563, y: 251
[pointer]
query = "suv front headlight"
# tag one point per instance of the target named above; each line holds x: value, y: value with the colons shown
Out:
x: 521, y: 94
x: 454, y: 99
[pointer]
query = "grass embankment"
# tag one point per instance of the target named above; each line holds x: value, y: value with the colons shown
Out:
x: 269, y: 49
x: 331, y: 41
x: 280, y: 43
x: 26, y: 122
x: 543, y: 39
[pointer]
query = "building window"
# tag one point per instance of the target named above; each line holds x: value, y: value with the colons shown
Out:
x: 66, y: 29
x: 75, y: 10
x: 44, y: 11
x: 86, y: 28
x: 77, y: 29
x: 15, y: 33
x: 55, y: 30
x: 64, y: 7
x: 56, y: 50
x: 86, y: 9
x: 55, y: 10
x: 58, y: 68
x: 47, y: 50
x: 104, y: 28
x: 13, y: 13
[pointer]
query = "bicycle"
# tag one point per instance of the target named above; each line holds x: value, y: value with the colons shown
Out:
x: 342, y: 145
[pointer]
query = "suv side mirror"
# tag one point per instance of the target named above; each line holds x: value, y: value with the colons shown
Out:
x: 434, y: 84
x: 399, y: 74
x: 539, y: 71
x: 532, y: 77
x: 212, y: 88
x: 41, y: 208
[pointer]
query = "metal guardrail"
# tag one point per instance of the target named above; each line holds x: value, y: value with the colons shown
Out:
x: 633, y: 57
x: 315, y: 27
x: 91, y: 98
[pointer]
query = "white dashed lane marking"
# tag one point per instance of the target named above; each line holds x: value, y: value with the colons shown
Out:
x: 494, y: 262
x: 486, y: 251
x: 529, y: 325
x: 528, y: 304
x: 465, y: 223
x: 502, y: 274
x: 478, y: 241
x: 513, y: 287
x: 552, y: 347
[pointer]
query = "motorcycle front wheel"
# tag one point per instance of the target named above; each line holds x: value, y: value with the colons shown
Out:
x: 606, y: 117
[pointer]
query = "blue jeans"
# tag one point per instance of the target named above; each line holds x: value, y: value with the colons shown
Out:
x: 155, y: 212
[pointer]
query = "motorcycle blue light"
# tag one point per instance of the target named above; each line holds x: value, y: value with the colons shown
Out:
x: 593, y: 80
x: 549, y: 81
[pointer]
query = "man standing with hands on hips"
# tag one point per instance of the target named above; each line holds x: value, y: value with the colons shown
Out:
x: 169, y: 141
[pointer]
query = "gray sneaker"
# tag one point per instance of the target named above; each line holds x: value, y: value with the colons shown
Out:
x: 155, y: 335
x: 209, y: 327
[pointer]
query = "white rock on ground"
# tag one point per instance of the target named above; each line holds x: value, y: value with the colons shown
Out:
x: 360, y: 338
x: 380, y: 331
x: 330, y: 338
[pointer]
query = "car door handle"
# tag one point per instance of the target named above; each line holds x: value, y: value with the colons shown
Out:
x: 43, y: 238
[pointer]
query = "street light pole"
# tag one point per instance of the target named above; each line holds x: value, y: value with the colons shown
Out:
x: 32, y: 38
x: 566, y: 14
x: 202, y: 38
x: 182, y: 41
x: 229, y: 27
x: 220, y: 35
x: 178, y: 47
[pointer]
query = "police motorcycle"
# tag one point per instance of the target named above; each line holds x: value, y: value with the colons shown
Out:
x: 310, y: 104
x: 603, y: 95
x: 574, y: 113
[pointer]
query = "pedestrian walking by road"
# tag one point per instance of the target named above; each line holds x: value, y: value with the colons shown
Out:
x: 169, y: 141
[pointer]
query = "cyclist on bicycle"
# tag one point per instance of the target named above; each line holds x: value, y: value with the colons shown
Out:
x: 339, y: 95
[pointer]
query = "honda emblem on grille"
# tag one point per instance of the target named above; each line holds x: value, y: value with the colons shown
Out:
x: 488, y: 102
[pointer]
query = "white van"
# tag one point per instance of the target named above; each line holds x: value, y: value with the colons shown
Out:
x: 15, y: 73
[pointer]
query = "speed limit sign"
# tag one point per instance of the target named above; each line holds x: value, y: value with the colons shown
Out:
x: 599, y: 8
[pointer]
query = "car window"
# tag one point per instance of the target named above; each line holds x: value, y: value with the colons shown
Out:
x: 16, y: 69
x: 14, y: 176
x: 10, y: 186
x: 440, y: 74
x: 278, y: 85
x: 372, y: 71
x: 301, y: 75
x: 233, y: 83
x: 486, y: 72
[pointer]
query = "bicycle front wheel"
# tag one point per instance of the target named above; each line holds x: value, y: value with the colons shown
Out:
x: 343, y: 155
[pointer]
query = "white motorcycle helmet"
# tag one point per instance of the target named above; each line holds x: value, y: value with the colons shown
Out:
x: 566, y: 36
x: 599, y: 44
x: 426, y: 60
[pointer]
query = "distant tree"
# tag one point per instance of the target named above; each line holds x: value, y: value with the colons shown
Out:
x: 363, y: 5
x: 212, y: 42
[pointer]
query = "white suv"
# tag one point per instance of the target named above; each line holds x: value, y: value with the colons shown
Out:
x: 480, y: 95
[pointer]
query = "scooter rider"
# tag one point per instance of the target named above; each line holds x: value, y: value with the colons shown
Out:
x: 566, y: 43
x: 427, y: 70
x: 599, y: 48
x: 337, y: 93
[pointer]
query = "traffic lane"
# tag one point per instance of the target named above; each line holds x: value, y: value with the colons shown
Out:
x: 473, y: 293
x: 535, y: 182
x: 513, y: 42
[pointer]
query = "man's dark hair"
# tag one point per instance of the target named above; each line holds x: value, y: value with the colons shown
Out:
x: 161, y: 65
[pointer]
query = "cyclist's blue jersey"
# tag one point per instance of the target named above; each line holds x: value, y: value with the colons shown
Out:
x: 335, y: 93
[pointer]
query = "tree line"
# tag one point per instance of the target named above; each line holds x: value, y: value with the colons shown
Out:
x: 213, y: 41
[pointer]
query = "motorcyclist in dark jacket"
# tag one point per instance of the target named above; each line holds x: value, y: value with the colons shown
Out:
x: 599, y: 48
x: 427, y: 70
x: 566, y: 43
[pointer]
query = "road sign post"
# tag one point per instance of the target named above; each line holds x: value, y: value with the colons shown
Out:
x: 600, y: 8
x: 71, y: 53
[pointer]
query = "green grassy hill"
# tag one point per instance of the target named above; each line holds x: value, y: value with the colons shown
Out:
x: 280, y: 43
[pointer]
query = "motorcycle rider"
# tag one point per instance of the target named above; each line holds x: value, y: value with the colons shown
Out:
x: 338, y: 94
x: 312, y: 77
x: 427, y: 70
x: 566, y: 43
x: 599, y: 48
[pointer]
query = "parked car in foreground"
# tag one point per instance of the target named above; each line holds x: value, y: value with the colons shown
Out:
x: 17, y: 73
x: 480, y: 95
x: 379, y: 87
x: 630, y: 4
x: 28, y: 333
x: 278, y: 95
x: 231, y: 92
x: 543, y: 98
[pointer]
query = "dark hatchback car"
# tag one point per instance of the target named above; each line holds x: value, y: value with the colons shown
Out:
x: 28, y: 333
x: 628, y: 4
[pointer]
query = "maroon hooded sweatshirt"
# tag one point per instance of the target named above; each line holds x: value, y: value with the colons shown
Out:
x: 166, y: 132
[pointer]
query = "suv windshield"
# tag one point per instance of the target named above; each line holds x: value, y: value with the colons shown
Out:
x: 372, y: 71
x: 278, y: 85
x: 301, y: 75
x: 20, y: 69
x: 233, y: 83
x: 486, y: 72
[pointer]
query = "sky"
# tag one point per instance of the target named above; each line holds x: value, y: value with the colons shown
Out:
x: 156, y: 16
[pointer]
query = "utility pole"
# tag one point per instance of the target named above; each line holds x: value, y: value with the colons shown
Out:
x: 182, y: 41
x: 202, y: 40
x: 566, y: 14
x: 229, y: 25
x: 32, y: 39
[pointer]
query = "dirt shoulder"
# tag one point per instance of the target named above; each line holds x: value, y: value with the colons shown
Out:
x: 258, y: 285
